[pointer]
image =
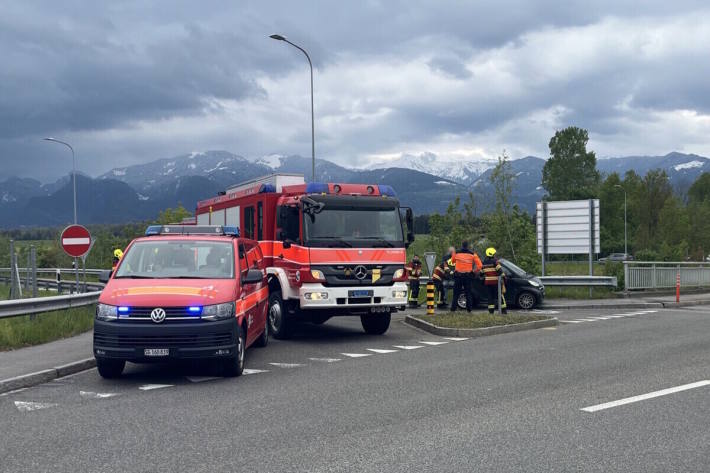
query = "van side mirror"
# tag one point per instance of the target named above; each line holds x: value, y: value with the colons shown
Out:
x: 104, y: 276
x: 253, y: 276
x: 284, y: 239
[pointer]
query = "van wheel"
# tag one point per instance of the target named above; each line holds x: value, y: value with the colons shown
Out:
x: 263, y: 339
x: 526, y: 300
x: 110, y: 368
x: 234, y: 365
x: 375, y: 324
x: 280, y: 323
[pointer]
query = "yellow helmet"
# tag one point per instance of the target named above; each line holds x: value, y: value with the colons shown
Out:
x: 490, y: 251
x: 117, y: 253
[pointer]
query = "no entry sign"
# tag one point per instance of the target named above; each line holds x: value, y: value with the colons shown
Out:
x: 75, y: 240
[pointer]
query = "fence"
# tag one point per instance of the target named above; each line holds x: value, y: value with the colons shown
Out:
x: 663, y: 275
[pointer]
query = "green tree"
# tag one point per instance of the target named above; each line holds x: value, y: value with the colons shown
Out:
x: 611, y: 202
x: 175, y: 215
x: 650, y: 198
x: 571, y: 172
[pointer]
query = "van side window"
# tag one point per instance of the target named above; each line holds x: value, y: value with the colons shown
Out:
x: 287, y: 222
x: 254, y: 256
x: 249, y: 222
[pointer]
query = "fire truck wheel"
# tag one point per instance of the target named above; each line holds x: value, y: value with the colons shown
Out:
x: 263, y: 339
x: 280, y: 324
x: 375, y: 324
x: 234, y: 365
x: 110, y: 368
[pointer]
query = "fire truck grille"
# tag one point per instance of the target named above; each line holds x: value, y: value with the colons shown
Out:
x: 358, y: 275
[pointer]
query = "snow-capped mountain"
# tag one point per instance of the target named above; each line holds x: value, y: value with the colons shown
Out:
x: 463, y: 171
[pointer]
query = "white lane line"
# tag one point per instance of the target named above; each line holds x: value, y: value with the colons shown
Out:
x: 252, y: 371
x: 150, y: 387
x: 456, y: 339
x: 325, y: 360
x: 201, y: 379
x: 599, y: 318
x: 93, y: 395
x: 408, y: 347
x: 643, y: 397
x: 287, y: 365
x: 433, y: 343
x: 381, y: 351
x: 616, y: 316
x: 356, y: 355
x: 25, y: 406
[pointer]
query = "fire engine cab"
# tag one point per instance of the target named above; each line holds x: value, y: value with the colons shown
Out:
x: 330, y: 249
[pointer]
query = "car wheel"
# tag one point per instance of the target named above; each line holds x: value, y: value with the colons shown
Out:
x: 110, y: 368
x: 263, y: 339
x: 375, y: 324
x: 234, y: 365
x: 280, y: 324
x: 526, y: 300
x: 461, y: 302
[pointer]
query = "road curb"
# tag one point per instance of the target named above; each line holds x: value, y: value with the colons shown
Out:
x: 39, y: 377
x: 673, y: 305
x: 479, y: 332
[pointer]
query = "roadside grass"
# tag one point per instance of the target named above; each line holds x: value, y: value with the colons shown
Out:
x: 580, y: 293
x: 478, y: 319
x: 18, y: 332
x: 5, y: 292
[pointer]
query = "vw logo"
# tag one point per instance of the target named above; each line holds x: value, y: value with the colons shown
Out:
x: 157, y: 315
x: 360, y: 272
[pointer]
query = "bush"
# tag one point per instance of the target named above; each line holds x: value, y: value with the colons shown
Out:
x: 615, y: 269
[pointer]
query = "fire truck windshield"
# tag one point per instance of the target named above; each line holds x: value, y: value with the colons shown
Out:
x: 184, y: 259
x: 366, y: 227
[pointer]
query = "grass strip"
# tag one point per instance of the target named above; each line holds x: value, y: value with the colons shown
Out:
x: 477, y: 319
x: 18, y: 332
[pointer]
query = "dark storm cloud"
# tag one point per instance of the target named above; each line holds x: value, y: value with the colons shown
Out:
x: 93, y: 70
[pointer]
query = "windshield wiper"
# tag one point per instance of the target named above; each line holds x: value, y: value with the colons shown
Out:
x: 336, y: 240
x: 379, y: 241
x: 135, y: 276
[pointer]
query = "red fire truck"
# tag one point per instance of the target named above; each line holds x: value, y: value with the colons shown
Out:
x: 330, y: 249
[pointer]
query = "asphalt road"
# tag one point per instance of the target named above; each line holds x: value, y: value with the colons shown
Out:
x: 501, y: 403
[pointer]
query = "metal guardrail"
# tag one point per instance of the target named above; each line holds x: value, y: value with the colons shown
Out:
x: 663, y: 274
x: 587, y: 281
x: 93, y: 272
x: 60, y: 286
x: 18, y: 307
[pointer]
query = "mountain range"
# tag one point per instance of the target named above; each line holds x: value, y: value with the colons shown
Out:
x: 422, y: 182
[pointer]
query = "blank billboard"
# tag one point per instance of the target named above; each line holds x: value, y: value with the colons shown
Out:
x: 568, y: 227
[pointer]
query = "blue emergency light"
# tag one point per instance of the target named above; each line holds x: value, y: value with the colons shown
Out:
x: 124, y: 310
x: 231, y: 230
x: 267, y: 188
x: 194, y: 309
x: 153, y: 230
x: 387, y: 190
x: 316, y: 188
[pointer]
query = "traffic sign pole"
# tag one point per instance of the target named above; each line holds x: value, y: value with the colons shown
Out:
x: 76, y: 242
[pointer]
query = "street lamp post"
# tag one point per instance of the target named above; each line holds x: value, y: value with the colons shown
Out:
x: 73, y: 160
x: 278, y: 37
x: 626, y: 249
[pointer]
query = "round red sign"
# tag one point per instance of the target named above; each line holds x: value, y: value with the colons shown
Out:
x: 75, y: 240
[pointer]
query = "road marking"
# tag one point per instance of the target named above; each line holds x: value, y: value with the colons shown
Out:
x: 381, y: 351
x: 456, y: 339
x: 252, y: 371
x: 433, y: 343
x: 587, y: 320
x: 325, y: 360
x: 549, y: 328
x: 93, y: 395
x: 643, y: 397
x: 571, y: 321
x: 286, y: 365
x: 150, y: 387
x: 616, y: 316
x: 9, y: 393
x: 408, y: 347
x: 599, y: 318
x: 200, y: 379
x: 356, y: 355
x: 25, y: 406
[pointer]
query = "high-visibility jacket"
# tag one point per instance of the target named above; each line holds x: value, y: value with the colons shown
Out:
x: 491, y: 270
x: 414, y: 269
x: 466, y: 261
x: 440, y: 272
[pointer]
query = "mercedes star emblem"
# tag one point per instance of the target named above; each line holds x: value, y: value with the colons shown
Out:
x: 157, y: 315
x: 360, y: 272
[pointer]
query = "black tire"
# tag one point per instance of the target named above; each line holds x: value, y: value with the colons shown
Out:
x: 109, y: 369
x: 526, y: 300
x: 461, y: 302
x: 234, y: 365
x: 376, y: 324
x: 280, y: 323
x: 263, y: 339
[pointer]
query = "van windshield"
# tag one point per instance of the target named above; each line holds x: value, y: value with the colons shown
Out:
x: 183, y: 259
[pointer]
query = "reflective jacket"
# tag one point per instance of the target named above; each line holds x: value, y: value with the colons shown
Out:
x: 466, y: 261
x: 414, y: 269
x: 491, y: 270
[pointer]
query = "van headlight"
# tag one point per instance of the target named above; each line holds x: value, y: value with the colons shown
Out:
x: 218, y: 311
x: 106, y: 312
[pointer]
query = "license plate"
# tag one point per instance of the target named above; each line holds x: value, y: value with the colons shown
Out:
x: 361, y: 293
x: 156, y: 352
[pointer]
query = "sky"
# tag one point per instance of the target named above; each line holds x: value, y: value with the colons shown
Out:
x: 128, y: 82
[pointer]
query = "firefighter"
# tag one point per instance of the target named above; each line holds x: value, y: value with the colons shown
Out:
x: 491, y: 271
x: 466, y: 265
x: 443, y: 272
x: 414, y: 270
x: 117, y: 255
